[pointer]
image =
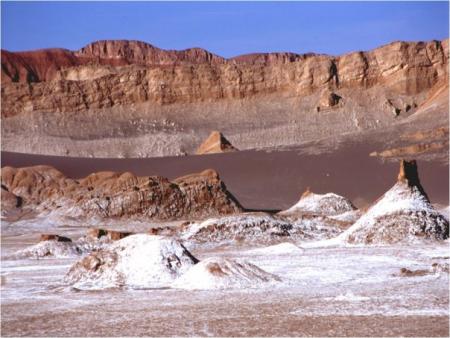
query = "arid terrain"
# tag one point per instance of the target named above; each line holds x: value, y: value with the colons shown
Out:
x: 135, y: 100
x: 304, y: 271
x: 179, y: 193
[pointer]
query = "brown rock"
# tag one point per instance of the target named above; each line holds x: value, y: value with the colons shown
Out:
x: 9, y: 200
x: 404, y: 272
x: 409, y: 174
x: 269, y: 58
x: 116, y: 235
x: 154, y: 231
x: 215, y: 143
x: 328, y: 100
x: 137, y: 52
x: 51, y: 237
x: 110, y: 194
x: 163, y: 231
x: 111, y: 234
x: 307, y: 192
x: 44, y: 64
x: 35, y: 184
x: 96, y: 233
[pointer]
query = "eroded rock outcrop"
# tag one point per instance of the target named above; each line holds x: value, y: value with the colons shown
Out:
x: 110, y: 234
x: 43, y: 65
x: 9, y: 201
x: 436, y: 268
x: 110, y: 194
x: 141, y: 53
x: 328, y: 100
x: 53, y: 237
x: 260, y: 228
x: 215, y: 143
x: 404, y: 214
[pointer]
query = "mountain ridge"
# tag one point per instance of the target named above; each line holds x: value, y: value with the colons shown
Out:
x: 144, y: 53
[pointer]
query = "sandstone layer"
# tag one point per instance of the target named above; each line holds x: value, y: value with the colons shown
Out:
x: 131, y: 99
x: 111, y: 194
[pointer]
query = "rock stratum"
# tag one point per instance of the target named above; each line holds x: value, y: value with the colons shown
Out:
x: 131, y: 99
x: 111, y: 194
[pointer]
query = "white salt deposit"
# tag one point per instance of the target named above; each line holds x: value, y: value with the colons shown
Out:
x: 402, y: 214
x: 262, y: 228
x: 222, y: 273
x: 56, y: 249
x: 445, y: 211
x: 49, y: 249
x: 139, y: 261
x: 348, y: 216
x: 278, y: 249
x: 327, y: 204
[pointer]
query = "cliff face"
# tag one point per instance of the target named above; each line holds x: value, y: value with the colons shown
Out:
x: 137, y: 52
x: 110, y: 194
x: 43, y: 65
x: 193, y: 75
x: 118, y: 75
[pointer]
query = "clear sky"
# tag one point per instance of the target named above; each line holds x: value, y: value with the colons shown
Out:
x: 227, y: 29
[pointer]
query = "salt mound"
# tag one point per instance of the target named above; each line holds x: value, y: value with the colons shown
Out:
x: 403, y: 214
x: 327, y: 204
x: 142, y: 261
x: 49, y: 249
x: 222, y: 273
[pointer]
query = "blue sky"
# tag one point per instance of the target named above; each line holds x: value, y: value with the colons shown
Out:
x: 227, y: 29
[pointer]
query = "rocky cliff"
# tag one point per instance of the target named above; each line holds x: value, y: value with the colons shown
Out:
x: 110, y: 194
x: 46, y: 93
x: 196, y: 75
